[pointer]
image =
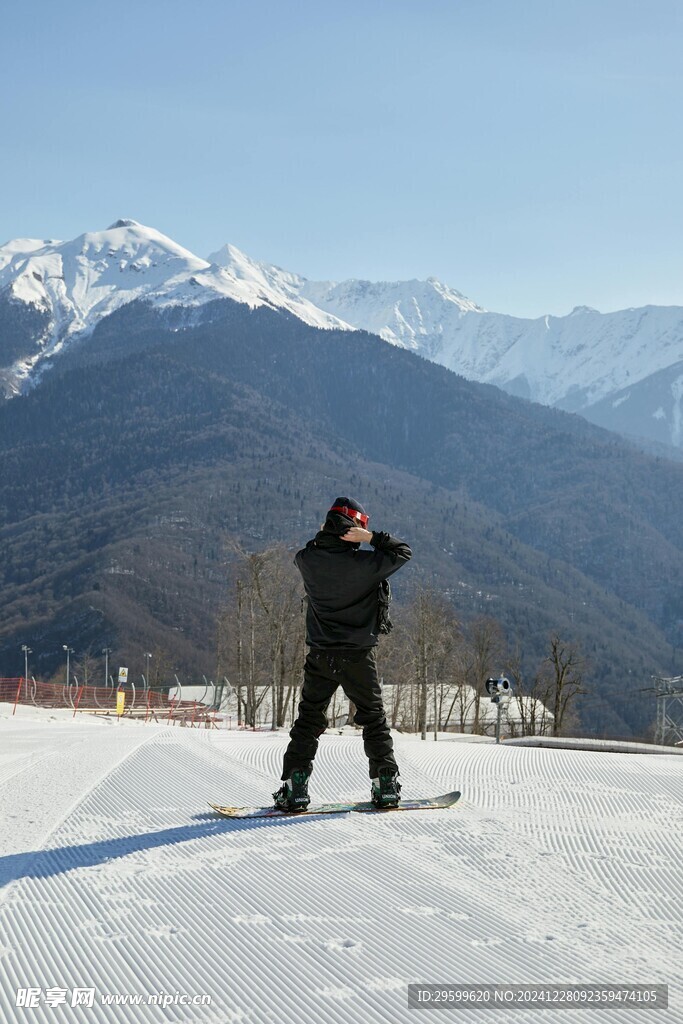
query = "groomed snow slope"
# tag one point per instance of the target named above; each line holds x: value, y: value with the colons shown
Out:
x: 557, y: 866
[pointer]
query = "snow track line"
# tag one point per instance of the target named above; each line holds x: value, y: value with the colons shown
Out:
x: 95, y: 784
x: 19, y: 764
x: 55, y: 826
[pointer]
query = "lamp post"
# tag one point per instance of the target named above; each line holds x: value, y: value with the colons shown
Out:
x: 27, y: 650
x: 69, y: 650
x: 106, y: 651
x: 148, y: 656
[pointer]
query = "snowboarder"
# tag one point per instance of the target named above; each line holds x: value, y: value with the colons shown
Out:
x: 347, y: 609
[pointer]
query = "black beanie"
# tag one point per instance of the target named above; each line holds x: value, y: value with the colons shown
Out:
x: 338, y: 523
x: 349, y: 503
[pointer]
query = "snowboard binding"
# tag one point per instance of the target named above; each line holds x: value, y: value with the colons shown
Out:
x: 386, y: 789
x: 292, y: 796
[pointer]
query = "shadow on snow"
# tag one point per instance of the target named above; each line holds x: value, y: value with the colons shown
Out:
x: 59, y: 860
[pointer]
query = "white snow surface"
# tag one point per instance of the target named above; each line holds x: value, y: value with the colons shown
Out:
x: 556, y: 866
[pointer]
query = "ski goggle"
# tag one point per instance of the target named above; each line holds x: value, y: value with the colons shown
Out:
x: 352, y: 513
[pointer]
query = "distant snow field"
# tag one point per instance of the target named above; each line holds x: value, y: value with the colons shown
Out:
x: 556, y: 867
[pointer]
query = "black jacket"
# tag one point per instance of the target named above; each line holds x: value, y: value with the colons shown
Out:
x: 342, y: 584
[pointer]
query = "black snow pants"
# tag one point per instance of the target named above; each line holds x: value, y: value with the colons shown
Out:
x: 356, y: 673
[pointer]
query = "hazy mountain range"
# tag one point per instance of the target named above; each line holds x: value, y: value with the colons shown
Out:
x: 622, y: 370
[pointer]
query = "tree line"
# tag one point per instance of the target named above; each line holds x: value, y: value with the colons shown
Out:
x: 433, y: 666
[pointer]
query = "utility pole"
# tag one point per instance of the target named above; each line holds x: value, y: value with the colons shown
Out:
x: 69, y: 650
x: 27, y: 650
x: 106, y: 651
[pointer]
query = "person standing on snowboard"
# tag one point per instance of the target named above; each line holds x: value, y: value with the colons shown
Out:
x: 347, y: 602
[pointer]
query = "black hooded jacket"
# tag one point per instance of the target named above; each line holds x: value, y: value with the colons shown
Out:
x: 342, y: 585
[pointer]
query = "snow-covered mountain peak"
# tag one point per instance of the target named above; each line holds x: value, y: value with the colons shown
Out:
x: 274, y: 286
x: 81, y: 280
x: 412, y: 314
x: 244, y: 268
x: 124, y: 222
x: 129, y: 239
x: 72, y: 285
x: 583, y: 310
x: 451, y: 295
x: 229, y: 255
x: 21, y: 247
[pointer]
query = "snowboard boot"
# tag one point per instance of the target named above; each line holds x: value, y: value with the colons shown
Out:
x: 293, y: 793
x: 386, y: 789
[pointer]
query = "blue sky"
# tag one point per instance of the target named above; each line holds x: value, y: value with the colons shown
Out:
x: 528, y: 153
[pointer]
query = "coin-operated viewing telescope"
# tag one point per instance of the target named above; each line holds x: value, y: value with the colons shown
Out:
x: 500, y: 692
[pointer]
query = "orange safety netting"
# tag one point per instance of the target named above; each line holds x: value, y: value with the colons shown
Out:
x: 150, y: 705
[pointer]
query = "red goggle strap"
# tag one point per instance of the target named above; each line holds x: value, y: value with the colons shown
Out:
x: 352, y: 513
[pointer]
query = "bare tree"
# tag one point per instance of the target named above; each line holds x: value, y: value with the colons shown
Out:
x: 161, y: 667
x: 566, y: 667
x: 433, y: 632
x: 532, y: 699
x: 261, y: 633
x: 462, y: 703
x: 85, y: 669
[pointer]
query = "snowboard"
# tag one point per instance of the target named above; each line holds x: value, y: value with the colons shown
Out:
x: 435, y: 803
